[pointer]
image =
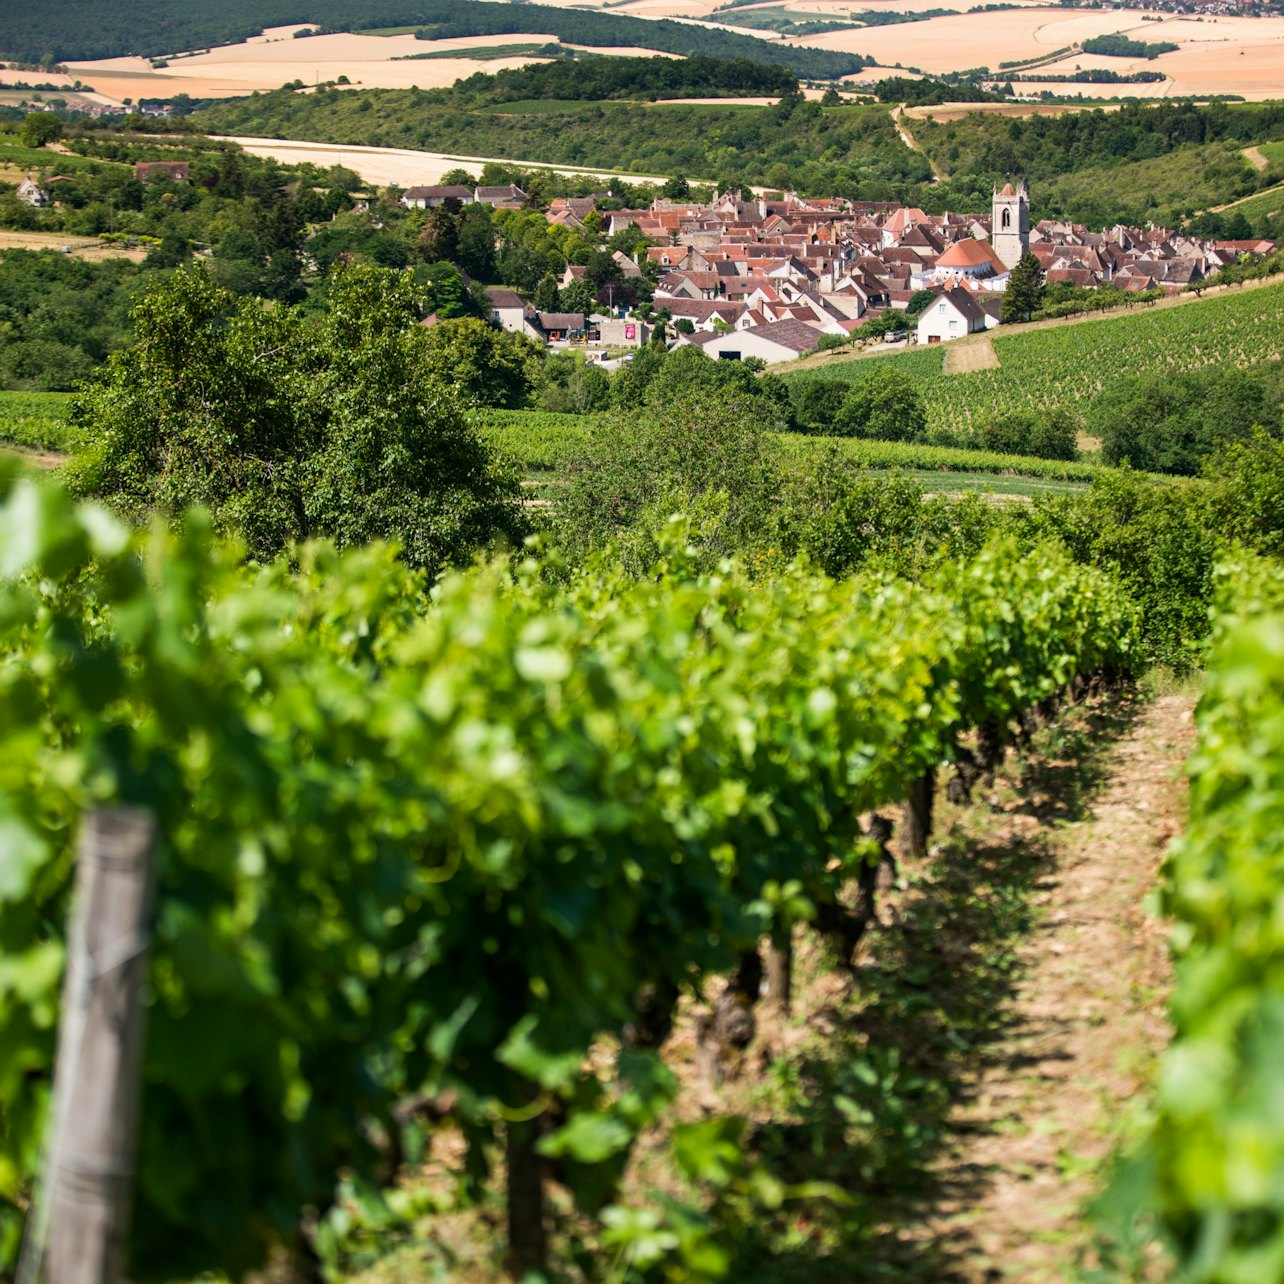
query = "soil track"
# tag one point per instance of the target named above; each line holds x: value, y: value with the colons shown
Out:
x: 80, y: 247
x: 1086, y: 1018
x: 898, y: 119
x: 1255, y: 158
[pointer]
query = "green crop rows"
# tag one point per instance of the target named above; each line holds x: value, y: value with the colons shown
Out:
x: 1072, y: 364
x: 35, y: 419
x: 1212, y: 1160
x: 542, y: 442
x: 446, y: 849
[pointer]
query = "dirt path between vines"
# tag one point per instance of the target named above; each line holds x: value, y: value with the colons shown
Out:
x: 837, y: 356
x: 1084, y: 1021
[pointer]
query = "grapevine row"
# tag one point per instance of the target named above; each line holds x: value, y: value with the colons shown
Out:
x: 1210, y: 1170
x: 433, y: 848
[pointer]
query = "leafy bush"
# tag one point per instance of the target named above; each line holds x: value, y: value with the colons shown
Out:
x: 1171, y: 423
x: 707, y: 448
x: 883, y: 405
x: 1052, y: 434
x: 1159, y: 541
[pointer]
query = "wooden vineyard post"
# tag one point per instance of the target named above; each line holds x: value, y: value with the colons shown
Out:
x: 90, y: 1167
x: 916, y: 828
x: 779, y: 968
x: 527, y: 1248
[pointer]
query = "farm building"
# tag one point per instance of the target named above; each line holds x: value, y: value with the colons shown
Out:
x: 779, y: 341
x: 560, y: 326
x: 174, y: 171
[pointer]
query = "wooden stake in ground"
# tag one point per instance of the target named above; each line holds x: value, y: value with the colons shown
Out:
x: 90, y: 1167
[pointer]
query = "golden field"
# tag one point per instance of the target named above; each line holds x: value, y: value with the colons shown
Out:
x: 1216, y: 55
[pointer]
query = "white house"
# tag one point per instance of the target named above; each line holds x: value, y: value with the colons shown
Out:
x: 31, y: 194
x: 427, y: 198
x: 508, y: 310
x: 951, y: 315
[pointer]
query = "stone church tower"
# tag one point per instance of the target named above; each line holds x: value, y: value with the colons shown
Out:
x: 1010, y: 231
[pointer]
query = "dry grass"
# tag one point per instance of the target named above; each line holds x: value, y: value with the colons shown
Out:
x: 81, y: 247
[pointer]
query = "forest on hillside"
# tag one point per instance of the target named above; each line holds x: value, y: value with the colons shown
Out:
x: 60, y: 30
x: 595, y: 79
x: 1162, y: 162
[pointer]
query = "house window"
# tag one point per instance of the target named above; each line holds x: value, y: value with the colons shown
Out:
x: 941, y: 309
x: 954, y: 325
x: 729, y: 356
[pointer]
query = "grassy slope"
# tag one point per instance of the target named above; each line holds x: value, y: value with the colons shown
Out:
x: 1270, y: 201
x: 1074, y: 363
x: 1143, y: 163
x: 851, y: 150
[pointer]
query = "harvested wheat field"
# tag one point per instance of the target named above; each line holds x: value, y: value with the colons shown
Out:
x: 963, y: 40
x: 403, y: 166
x: 276, y: 58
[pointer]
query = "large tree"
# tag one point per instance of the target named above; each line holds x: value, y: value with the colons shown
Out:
x: 1025, y: 289
x: 288, y: 429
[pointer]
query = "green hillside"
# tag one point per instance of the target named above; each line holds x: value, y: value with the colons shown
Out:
x: 1073, y: 364
x: 848, y: 150
x: 1142, y: 163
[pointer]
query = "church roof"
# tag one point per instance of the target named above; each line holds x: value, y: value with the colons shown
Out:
x: 1007, y: 190
x: 970, y: 253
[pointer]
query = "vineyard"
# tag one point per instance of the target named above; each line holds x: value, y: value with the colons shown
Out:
x: 543, y: 442
x: 1211, y: 1161
x: 35, y: 419
x: 1073, y: 364
x: 470, y: 855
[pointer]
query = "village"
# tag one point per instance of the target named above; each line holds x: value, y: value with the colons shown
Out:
x: 770, y: 278
x: 774, y: 277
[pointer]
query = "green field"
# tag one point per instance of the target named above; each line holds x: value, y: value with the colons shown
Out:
x: 1073, y: 364
x: 1265, y: 203
x: 35, y: 419
x: 36, y: 159
x: 542, y: 443
x: 479, y: 53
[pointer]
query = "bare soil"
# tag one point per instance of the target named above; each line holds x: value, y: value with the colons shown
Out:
x: 80, y: 247
x: 1255, y: 158
x: 977, y: 355
x: 42, y: 459
x: 1086, y: 1018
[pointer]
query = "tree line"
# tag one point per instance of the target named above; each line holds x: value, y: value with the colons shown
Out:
x: 598, y: 79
